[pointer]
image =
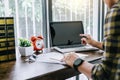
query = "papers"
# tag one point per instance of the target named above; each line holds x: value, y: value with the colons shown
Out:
x: 52, y: 57
x: 55, y: 57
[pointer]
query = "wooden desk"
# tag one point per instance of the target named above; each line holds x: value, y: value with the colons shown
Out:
x: 21, y: 70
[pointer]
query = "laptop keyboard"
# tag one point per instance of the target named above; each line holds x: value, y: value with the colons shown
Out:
x: 71, y: 46
x: 74, y: 49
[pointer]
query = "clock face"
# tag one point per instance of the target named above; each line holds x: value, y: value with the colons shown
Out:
x: 39, y: 44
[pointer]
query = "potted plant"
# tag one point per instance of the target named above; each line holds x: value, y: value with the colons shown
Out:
x: 25, y: 47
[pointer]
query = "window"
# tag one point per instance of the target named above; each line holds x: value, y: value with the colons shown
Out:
x: 75, y: 10
x: 27, y: 15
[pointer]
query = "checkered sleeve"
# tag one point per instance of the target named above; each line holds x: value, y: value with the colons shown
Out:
x: 109, y: 69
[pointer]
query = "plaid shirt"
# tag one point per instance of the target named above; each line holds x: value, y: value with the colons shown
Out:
x: 109, y: 69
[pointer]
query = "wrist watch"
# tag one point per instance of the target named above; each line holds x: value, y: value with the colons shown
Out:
x: 77, y: 63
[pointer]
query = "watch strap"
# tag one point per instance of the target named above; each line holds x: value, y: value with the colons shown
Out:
x: 80, y: 61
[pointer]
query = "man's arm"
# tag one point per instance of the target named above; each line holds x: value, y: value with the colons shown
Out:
x: 87, y: 39
x: 97, y: 44
x: 85, y: 67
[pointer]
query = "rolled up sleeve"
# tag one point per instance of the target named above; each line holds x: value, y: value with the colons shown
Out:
x: 98, y: 72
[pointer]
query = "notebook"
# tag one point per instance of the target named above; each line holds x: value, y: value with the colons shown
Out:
x: 65, y: 37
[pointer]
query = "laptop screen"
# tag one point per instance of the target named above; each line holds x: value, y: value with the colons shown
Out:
x: 66, y: 33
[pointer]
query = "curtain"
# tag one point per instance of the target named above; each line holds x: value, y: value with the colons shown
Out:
x: 27, y: 15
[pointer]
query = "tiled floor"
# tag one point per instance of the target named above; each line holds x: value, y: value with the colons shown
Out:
x: 81, y: 77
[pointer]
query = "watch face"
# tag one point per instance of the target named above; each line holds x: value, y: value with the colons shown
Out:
x: 39, y: 44
x: 77, y: 62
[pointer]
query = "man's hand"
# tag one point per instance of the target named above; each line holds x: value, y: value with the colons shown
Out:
x: 86, y: 39
x: 85, y: 68
x: 69, y: 58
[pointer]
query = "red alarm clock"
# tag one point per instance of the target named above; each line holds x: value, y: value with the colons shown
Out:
x: 37, y: 42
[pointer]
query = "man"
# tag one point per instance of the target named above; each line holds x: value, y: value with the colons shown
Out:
x: 109, y: 69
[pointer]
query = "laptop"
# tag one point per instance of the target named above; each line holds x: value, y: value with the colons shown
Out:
x: 65, y: 37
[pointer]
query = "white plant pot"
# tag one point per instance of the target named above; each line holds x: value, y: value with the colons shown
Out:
x: 26, y: 51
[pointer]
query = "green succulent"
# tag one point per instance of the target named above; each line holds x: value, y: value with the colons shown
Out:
x: 24, y: 42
